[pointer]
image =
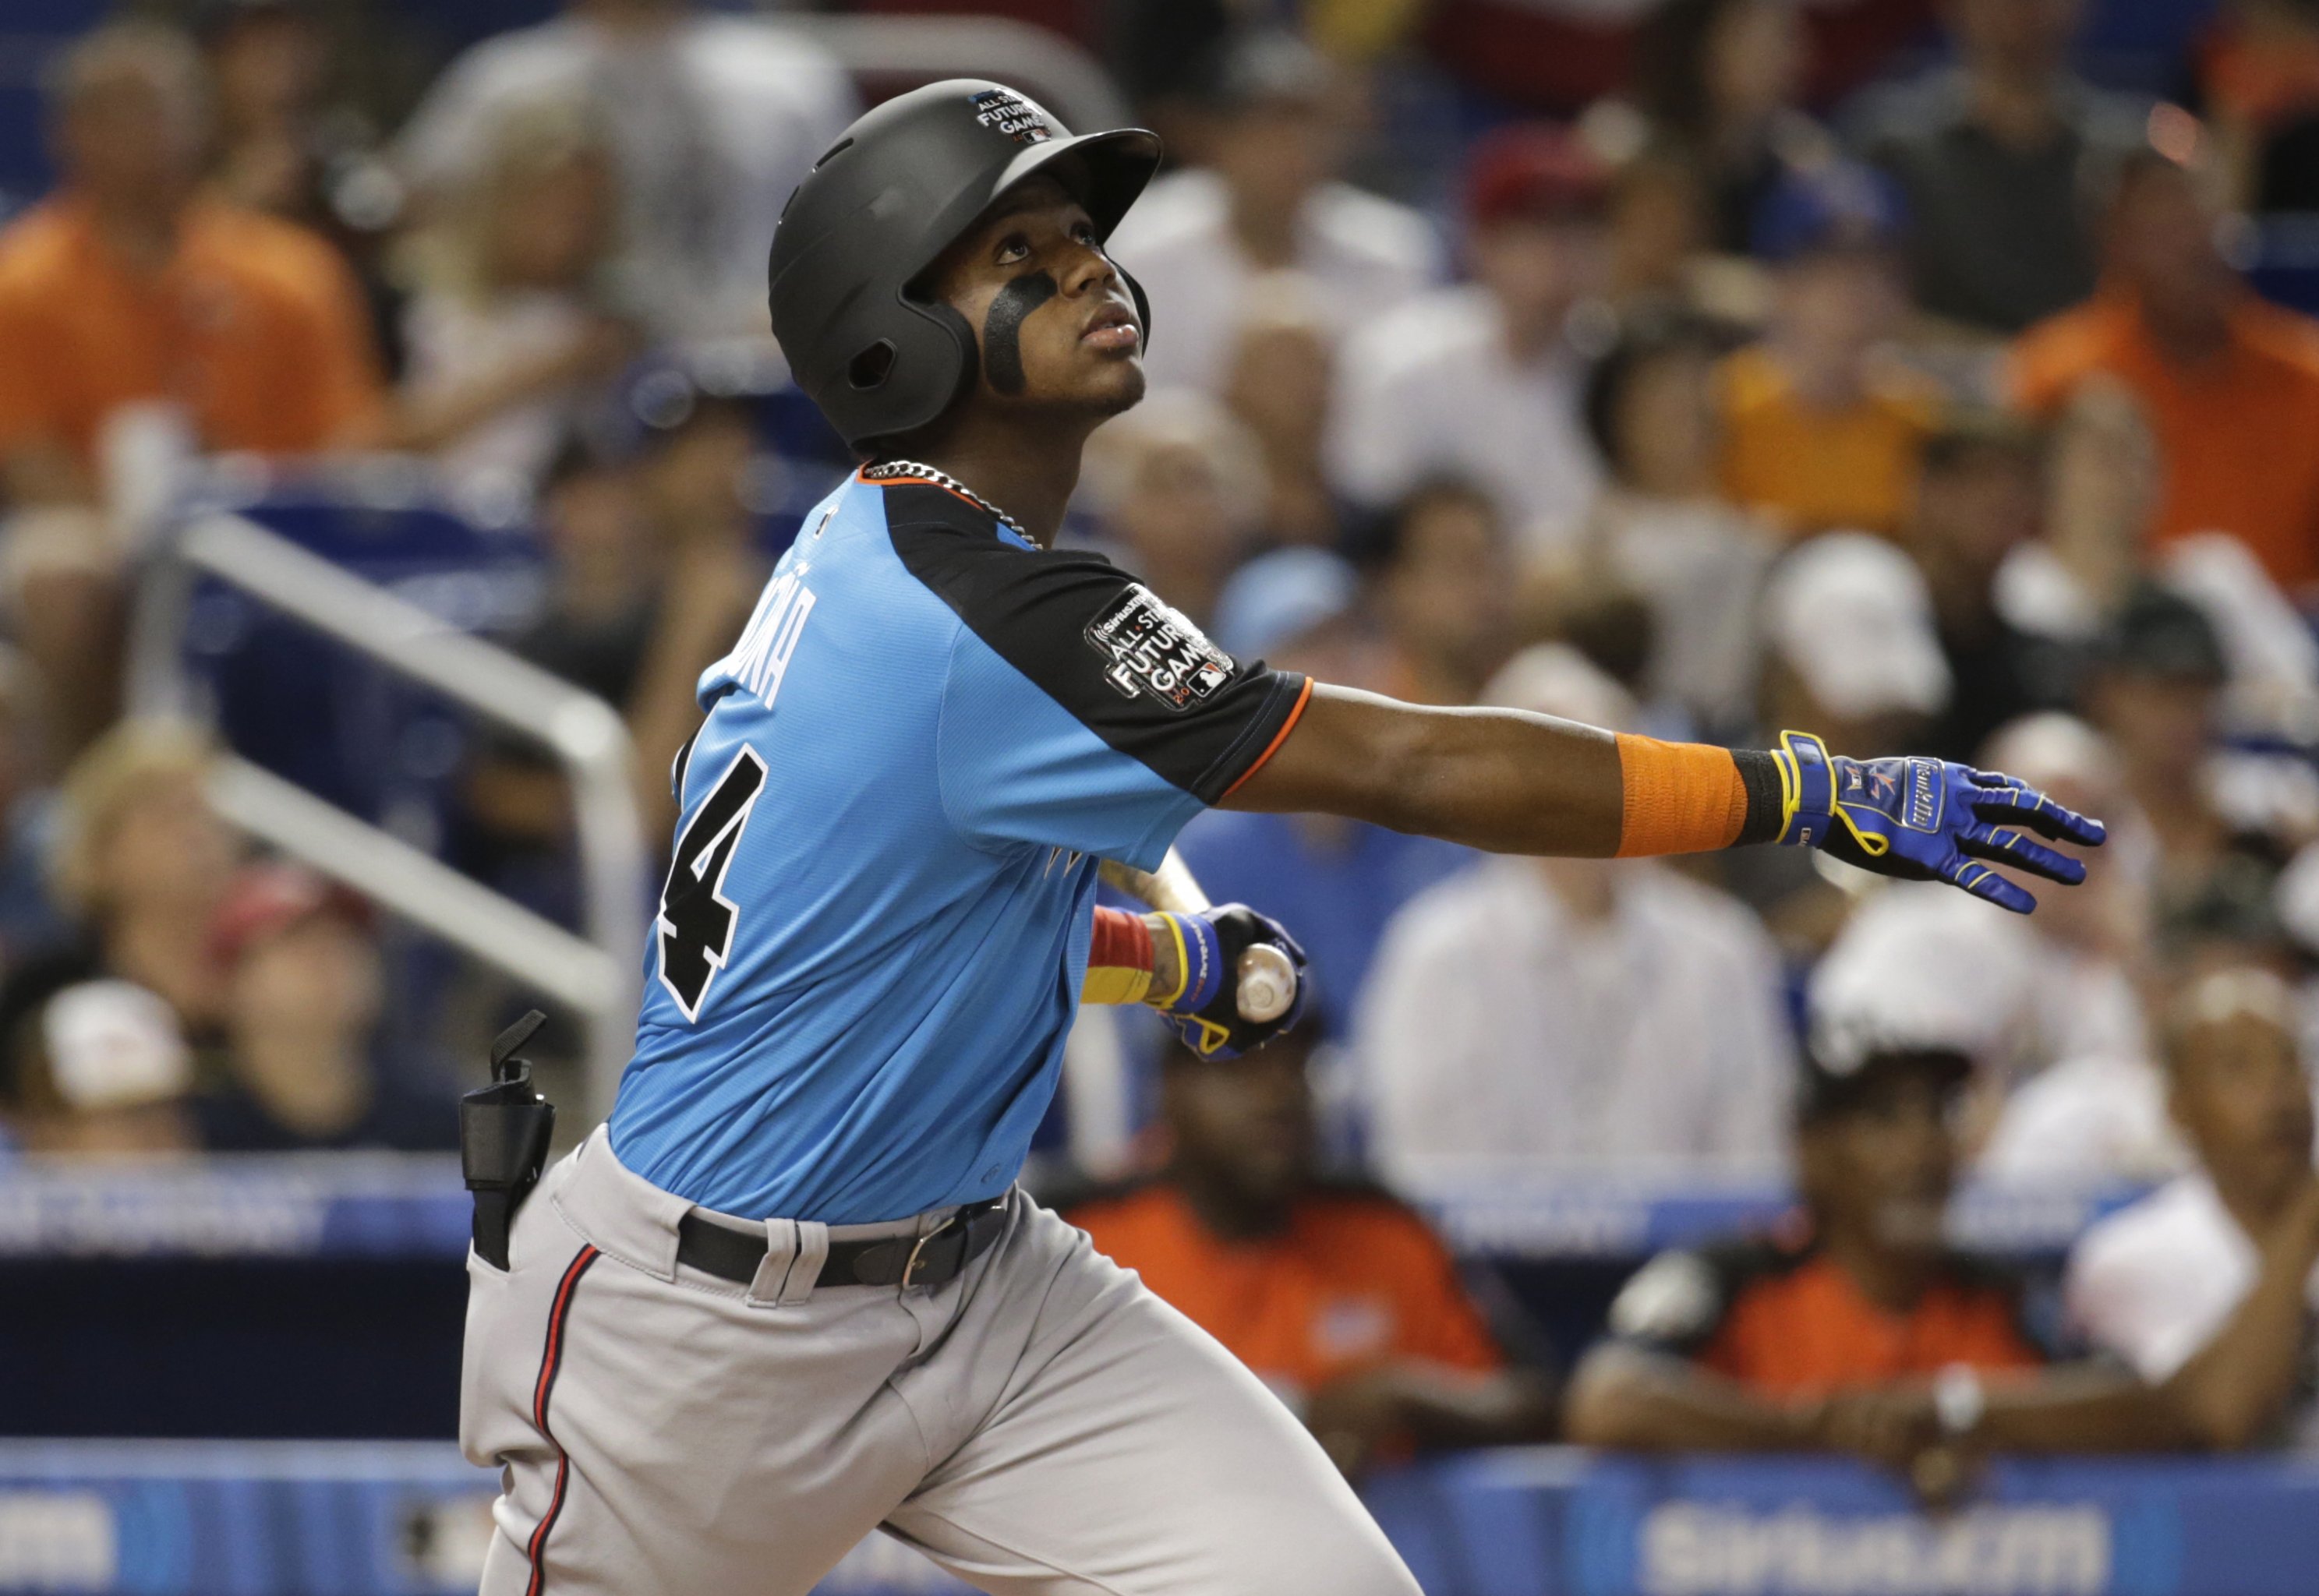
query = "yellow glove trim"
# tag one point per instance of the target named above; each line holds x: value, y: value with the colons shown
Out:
x: 1166, y: 1000
x: 1112, y: 983
x: 1791, y: 795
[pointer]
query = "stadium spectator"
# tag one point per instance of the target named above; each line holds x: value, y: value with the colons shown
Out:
x: 2101, y: 490
x: 1278, y: 382
x: 2099, y: 1114
x: 653, y: 572
x: 140, y: 863
x: 1658, y: 530
x: 129, y: 285
x: 712, y: 118
x: 2154, y: 690
x: 1482, y: 380
x: 2273, y: 655
x: 2258, y: 73
x: 2003, y: 156
x: 297, y: 136
x: 1980, y: 495
x: 97, y: 1067
x: 1852, y: 647
x: 2154, y: 1285
x: 1583, y: 1012
x: 2048, y: 1008
x: 1659, y: 228
x: 1334, y: 1295
x: 2080, y: 1054
x: 1752, y: 1343
x: 1821, y: 428
x: 1178, y: 485
x: 704, y: 481
x: 129, y: 298
x: 1719, y: 80
x: 1858, y: 1330
x: 1337, y: 881
x: 2229, y: 385
x: 508, y: 332
x: 1440, y: 588
x: 30, y: 921
x: 1265, y: 196
x: 306, y: 992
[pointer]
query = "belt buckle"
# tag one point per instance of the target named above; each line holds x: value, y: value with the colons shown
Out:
x: 917, y: 1251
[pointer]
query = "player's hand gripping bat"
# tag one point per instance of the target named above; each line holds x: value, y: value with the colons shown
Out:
x: 1268, y: 975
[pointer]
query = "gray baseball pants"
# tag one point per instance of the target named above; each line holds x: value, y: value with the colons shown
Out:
x: 1040, y: 1424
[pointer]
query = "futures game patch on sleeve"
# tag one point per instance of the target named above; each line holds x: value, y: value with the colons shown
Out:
x: 1152, y: 648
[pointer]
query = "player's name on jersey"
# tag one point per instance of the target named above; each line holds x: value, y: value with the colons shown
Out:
x: 762, y: 657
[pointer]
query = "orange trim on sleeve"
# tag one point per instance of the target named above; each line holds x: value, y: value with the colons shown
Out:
x: 1278, y: 737
x: 1677, y: 798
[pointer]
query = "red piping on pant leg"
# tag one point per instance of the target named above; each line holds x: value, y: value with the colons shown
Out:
x: 551, y: 1359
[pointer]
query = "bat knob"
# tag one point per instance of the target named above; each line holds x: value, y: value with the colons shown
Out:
x: 1267, y: 983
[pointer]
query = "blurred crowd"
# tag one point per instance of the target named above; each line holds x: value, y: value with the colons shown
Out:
x: 1937, y: 415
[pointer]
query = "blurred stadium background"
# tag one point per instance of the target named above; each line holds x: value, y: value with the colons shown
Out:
x: 388, y: 435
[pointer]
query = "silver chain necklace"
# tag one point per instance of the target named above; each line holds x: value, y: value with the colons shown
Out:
x: 891, y: 468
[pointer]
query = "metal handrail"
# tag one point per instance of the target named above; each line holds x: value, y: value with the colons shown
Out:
x: 1049, y: 68
x: 596, y: 974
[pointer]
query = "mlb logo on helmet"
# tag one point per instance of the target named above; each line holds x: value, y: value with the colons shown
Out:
x: 1013, y: 115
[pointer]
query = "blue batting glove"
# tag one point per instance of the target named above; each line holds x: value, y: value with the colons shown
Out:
x: 1925, y: 820
x: 1206, y: 1013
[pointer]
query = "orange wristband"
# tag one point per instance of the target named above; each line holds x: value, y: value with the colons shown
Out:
x: 1678, y: 797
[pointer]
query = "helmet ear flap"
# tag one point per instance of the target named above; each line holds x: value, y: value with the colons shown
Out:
x: 907, y: 380
x: 970, y: 353
x: 1142, y: 304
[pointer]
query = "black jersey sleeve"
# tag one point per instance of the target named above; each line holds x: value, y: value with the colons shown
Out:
x: 1081, y: 709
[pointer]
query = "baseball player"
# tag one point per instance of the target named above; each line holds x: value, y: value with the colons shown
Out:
x: 790, y: 1293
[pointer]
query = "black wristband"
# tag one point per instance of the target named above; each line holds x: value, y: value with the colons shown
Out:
x: 1759, y: 773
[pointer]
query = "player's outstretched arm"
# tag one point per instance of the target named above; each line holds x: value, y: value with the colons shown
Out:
x: 1513, y: 782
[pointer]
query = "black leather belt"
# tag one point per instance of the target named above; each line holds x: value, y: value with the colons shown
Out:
x: 930, y: 1259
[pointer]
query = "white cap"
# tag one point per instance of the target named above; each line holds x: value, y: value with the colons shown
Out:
x: 2221, y: 995
x: 1554, y: 679
x: 2295, y: 899
x: 112, y: 1044
x: 1914, y: 972
x: 1851, y: 615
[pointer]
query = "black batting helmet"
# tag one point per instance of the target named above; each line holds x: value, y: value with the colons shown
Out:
x: 881, y: 204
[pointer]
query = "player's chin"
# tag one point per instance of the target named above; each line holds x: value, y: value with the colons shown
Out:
x: 1116, y: 384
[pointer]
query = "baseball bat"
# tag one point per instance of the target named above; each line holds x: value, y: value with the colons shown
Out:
x: 1267, y: 979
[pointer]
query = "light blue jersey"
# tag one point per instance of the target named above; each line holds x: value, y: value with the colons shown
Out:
x: 870, y: 947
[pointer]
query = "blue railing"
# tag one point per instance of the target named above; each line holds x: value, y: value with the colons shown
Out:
x: 411, y: 1520
x: 341, y: 1206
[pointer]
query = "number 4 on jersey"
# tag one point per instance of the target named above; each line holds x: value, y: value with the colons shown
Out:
x: 697, y: 920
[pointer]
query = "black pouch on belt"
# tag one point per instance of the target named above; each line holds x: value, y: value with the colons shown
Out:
x: 503, y: 1132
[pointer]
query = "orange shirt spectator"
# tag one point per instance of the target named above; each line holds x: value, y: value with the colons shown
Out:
x: 1807, y: 468
x: 2238, y: 432
x: 1355, y: 1279
x: 255, y: 326
x: 1794, y: 1323
x: 1783, y: 1319
x: 2261, y: 71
